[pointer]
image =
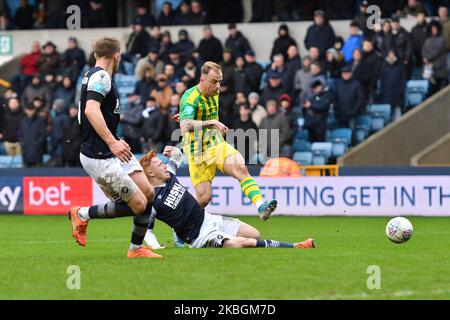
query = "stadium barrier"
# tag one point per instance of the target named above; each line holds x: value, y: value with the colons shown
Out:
x: 389, y: 194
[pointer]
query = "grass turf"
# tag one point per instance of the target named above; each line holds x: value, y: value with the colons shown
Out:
x: 35, y: 253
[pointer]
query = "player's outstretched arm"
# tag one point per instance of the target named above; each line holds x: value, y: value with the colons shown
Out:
x: 118, y: 147
x: 189, y: 125
x: 175, y: 155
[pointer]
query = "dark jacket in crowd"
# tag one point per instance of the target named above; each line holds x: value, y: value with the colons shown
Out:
x: 138, y: 43
x: 277, y: 121
x: 281, y: 44
x: 317, y: 114
x: 76, y: 57
x: 271, y: 93
x: 185, y: 47
x: 418, y: 35
x: 250, y: 144
x: 48, y: 63
x: 23, y: 18
x: 435, y: 51
x: 152, y: 125
x: 71, y: 141
x: 241, y: 83
x: 132, y: 122
x: 9, y: 125
x: 143, y: 88
x: 350, y: 100
x: 254, y: 73
x: 33, y: 91
x: 32, y: 136
x: 67, y: 94
x: 368, y: 72
x: 402, y: 44
x: 210, y: 49
x: 57, y: 129
x: 238, y: 45
x: 321, y: 37
x: 392, y: 83
x: 291, y: 66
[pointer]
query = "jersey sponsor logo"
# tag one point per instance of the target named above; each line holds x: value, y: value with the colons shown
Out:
x: 175, y: 195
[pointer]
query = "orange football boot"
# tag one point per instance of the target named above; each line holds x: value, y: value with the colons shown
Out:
x: 143, y: 252
x: 307, y: 244
x: 78, y: 226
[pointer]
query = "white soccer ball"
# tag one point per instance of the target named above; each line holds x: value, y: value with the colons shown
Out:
x: 399, y: 230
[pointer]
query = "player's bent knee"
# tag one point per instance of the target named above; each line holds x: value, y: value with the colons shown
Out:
x: 138, y: 204
x: 149, y: 193
x: 241, y: 171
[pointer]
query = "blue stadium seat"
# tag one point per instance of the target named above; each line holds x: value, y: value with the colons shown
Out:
x: 17, y: 161
x: 301, y: 146
x: 362, y: 128
x: 322, y: 151
x: 303, y: 158
x: 300, y: 121
x: 416, y: 91
x: 332, y: 122
x: 380, y: 114
x: 5, y: 161
x: 302, y: 134
x: 341, y: 138
x: 123, y: 80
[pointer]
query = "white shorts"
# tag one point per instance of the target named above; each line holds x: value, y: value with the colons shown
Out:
x: 215, y: 229
x: 112, y: 176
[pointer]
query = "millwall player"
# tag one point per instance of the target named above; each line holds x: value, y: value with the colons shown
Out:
x: 175, y: 206
x: 108, y: 159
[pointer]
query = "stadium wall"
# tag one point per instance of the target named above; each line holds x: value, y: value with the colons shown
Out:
x: 260, y: 35
x: 400, y: 141
x: 436, y: 154
x: 417, y: 192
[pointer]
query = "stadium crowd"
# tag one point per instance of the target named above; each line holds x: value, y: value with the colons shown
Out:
x: 335, y: 75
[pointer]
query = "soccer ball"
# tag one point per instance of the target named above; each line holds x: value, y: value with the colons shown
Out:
x: 399, y: 230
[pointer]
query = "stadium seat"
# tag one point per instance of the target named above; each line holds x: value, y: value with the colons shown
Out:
x: 302, y: 134
x: 5, y: 161
x: 362, y: 128
x: 332, y: 122
x: 380, y: 114
x: 416, y: 91
x: 301, y: 146
x: 300, y: 121
x: 17, y: 162
x: 322, y: 151
x: 122, y: 80
x: 303, y: 158
x: 341, y: 138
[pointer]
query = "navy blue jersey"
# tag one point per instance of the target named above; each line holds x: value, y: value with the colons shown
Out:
x: 97, y: 85
x: 176, y: 207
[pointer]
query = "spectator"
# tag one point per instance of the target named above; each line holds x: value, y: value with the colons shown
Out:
x: 241, y: 83
x: 183, y: 17
x: 353, y: 42
x: 349, y: 99
x: 303, y: 79
x: 152, y: 127
x: 412, y: 9
x: 279, y: 67
x: 11, y: 118
x: 180, y: 88
x: 368, y: 71
x: 138, y: 43
x: 171, y: 126
x: 198, y: 16
x: 320, y: 34
x: 131, y: 119
x: 378, y: 39
x: 95, y: 15
x: 162, y: 93
x: 315, y: 111
x: 332, y: 67
x: 167, y: 15
x: 262, y: 11
x: 338, y: 45
x: 401, y: 43
x: 49, y: 60
x: 172, y: 78
x: 51, y: 84
x: 258, y: 112
x: 275, y: 123
x: 32, y: 136
x: 240, y: 99
x: 282, y: 43
x: 226, y: 97
x: 28, y: 64
x: 317, y: 74
x: 155, y: 38
x: 143, y: 14
x: 166, y: 46
x: 184, y: 45
x: 392, y: 81
x: 246, y: 146
x: 418, y: 35
x: 71, y: 139
x: 253, y: 70
x: 285, y: 103
x: 236, y: 42
x: 210, y: 48
x: 150, y: 61
x: 176, y: 62
x: 387, y: 37
x: 36, y: 89
x: 274, y: 89
x: 66, y: 92
x: 434, y: 53
x: 5, y: 24
x: 314, y: 54
x: 362, y: 17
x: 190, y: 69
x: 43, y: 112
x: 59, y: 118
x: 293, y: 63
x: 75, y: 56
x: 445, y: 21
x: 144, y: 87
x: 23, y: 18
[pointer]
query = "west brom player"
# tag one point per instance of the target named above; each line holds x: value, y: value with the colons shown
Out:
x: 175, y: 206
x: 108, y: 159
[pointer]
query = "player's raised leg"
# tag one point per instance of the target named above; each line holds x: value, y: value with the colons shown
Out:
x: 234, y: 166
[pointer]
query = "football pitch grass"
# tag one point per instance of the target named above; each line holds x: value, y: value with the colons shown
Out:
x: 36, y: 252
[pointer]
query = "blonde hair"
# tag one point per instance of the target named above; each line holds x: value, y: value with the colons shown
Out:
x: 208, y: 66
